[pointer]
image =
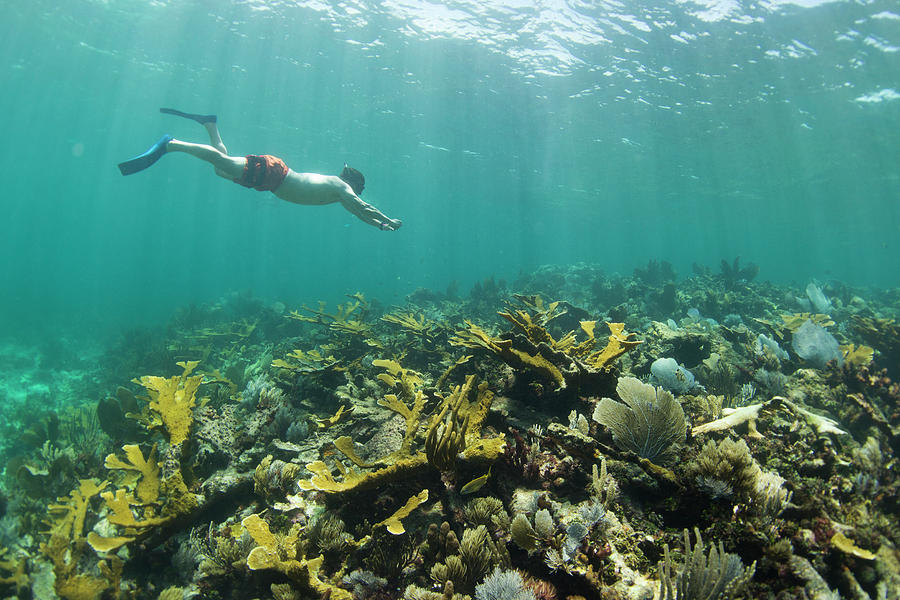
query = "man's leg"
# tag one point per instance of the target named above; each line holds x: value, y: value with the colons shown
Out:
x: 210, y: 123
x: 229, y: 167
x: 215, y: 140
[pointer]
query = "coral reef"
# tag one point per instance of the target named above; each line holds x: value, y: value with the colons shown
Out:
x: 490, y: 446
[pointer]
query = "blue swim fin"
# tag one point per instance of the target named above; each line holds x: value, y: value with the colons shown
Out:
x: 139, y: 163
x: 202, y: 119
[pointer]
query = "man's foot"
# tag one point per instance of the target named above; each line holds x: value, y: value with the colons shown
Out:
x: 202, y: 119
x: 139, y: 163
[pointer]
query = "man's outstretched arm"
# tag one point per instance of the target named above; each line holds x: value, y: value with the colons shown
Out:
x: 368, y: 213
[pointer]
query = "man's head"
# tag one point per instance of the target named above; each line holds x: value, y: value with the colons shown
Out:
x: 354, y: 179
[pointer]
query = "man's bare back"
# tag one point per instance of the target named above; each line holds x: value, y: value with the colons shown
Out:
x: 267, y: 173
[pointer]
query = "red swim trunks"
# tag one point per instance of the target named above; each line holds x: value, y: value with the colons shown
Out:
x: 263, y: 172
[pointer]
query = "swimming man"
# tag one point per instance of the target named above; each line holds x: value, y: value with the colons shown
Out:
x: 267, y: 173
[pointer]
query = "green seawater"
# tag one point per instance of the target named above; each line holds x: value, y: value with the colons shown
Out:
x: 505, y: 135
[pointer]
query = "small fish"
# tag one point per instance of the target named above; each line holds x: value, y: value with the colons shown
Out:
x: 476, y: 484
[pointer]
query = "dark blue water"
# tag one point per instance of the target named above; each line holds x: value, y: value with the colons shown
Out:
x: 505, y: 135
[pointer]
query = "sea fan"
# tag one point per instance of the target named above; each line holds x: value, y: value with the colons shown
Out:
x: 649, y: 422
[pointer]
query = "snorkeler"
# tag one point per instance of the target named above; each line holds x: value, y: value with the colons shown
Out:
x: 267, y: 173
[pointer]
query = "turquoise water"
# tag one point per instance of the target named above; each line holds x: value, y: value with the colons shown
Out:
x: 506, y: 135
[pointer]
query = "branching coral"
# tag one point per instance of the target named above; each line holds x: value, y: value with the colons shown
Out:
x: 565, y: 362
x: 406, y: 381
x: 282, y: 553
x: 719, y: 575
x: 170, y: 401
x: 66, y: 545
x: 15, y: 566
x: 476, y: 337
x: 286, y: 553
x: 146, y: 501
x: 884, y: 335
x: 350, y: 317
x: 143, y: 501
x: 446, y: 436
x: 394, y: 523
x: 732, y: 417
x: 147, y: 469
x: 472, y: 404
x: 423, y: 335
x: 358, y: 305
x: 477, y: 555
x: 354, y: 339
x: 311, y: 361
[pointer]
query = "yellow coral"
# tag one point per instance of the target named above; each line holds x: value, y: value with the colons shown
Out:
x: 793, y: 322
x: 442, y: 445
x: 104, y: 545
x: 857, y: 356
x: 136, y: 507
x: 179, y: 500
x: 119, y: 504
x: 312, y: 361
x: 410, y: 402
x: 476, y: 337
x: 446, y: 436
x: 147, y: 488
x: 545, y: 361
x: 66, y: 542
x: 16, y: 567
x: 172, y: 400
x: 534, y: 329
x: 846, y: 545
x: 407, y: 379
x: 81, y: 587
x: 279, y: 553
x: 340, y: 321
x: 410, y: 322
x: 410, y: 414
x: 457, y: 424
x: 73, y: 510
x: 341, y: 316
x: 619, y: 343
x: 230, y: 331
x: 346, y: 446
x: 394, y: 522
x: 335, y: 418
x: 323, y: 479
